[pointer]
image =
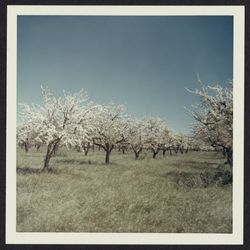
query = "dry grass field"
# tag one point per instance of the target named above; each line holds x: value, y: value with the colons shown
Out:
x: 183, y: 193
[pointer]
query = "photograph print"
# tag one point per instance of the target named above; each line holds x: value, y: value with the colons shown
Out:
x: 124, y: 124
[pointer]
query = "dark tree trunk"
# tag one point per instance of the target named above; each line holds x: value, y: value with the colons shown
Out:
x: 123, y: 150
x: 55, y: 148
x: 46, y: 160
x: 229, y: 155
x: 164, y: 152
x: 186, y: 150
x: 136, y: 155
x: 26, y: 147
x: 108, y: 148
x: 37, y: 147
x: 86, y: 148
x: 155, y: 152
x: 170, y: 151
x: 47, y: 157
x: 107, y: 157
x: 50, y: 151
x: 181, y: 150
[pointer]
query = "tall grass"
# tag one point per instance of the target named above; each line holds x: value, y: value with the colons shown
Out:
x: 180, y: 193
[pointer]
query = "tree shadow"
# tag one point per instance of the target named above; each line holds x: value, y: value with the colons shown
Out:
x: 197, y: 165
x: 88, y: 162
x: 202, y: 179
x: 28, y: 170
x: 66, y: 161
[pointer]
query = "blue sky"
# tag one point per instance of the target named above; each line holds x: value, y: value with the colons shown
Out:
x: 144, y: 63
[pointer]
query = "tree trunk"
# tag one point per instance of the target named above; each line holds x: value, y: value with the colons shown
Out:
x: 181, y: 149
x: 55, y: 148
x: 136, y: 155
x: 107, y: 157
x: 26, y: 147
x: 164, y: 152
x: 37, y: 147
x: 46, y: 161
x: 155, y: 152
x: 154, y: 155
x: 170, y: 151
x: 86, y: 148
x: 47, y: 157
x: 229, y: 155
x: 108, y: 148
x: 50, y: 150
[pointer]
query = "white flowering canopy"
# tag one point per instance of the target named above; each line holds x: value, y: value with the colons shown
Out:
x: 214, y: 115
x: 110, y: 125
x: 56, y: 119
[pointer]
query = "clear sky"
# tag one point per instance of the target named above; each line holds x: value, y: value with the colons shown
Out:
x: 144, y: 63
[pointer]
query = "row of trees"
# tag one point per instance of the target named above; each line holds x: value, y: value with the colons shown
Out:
x: 74, y: 121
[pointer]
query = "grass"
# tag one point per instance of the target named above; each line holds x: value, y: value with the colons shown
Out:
x: 186, y: 193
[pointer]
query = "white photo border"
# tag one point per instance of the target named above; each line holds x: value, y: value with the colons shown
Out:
x: 236, y: 237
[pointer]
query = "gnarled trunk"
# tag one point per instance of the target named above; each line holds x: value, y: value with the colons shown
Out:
x: 37, y: 147
x: 108, y: 148
x: 229, y: 156
x: 26, y: 147
x: 137, y: 152
x: 107, y: 157
x: 50, y: 151
x: 155, y: 152
x: 86, y: 148
x: 164, y: 152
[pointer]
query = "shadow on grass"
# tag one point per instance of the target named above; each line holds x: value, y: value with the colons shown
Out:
x: 86, y: 162
x: 33, y: 155
x: 30, y: 171
x: 200, y: 180
x: 66, y: 161
x: 197, y: 165
x: 76, y: 162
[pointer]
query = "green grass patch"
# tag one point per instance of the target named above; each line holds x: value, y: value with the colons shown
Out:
x: 184, y: 193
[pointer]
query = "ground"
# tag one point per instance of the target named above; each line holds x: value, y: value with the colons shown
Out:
x: 183, y: 193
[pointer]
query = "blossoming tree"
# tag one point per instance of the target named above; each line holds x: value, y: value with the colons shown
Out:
x: 156, y: 129
x: 214, y: 116
x: 111, y: 128
x: 137, y: 136
x: 56, y: 120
